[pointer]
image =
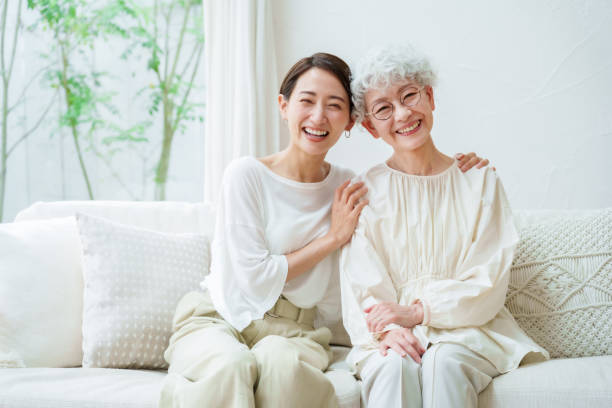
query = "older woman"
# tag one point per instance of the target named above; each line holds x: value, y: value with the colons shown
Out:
x: 425, y: 275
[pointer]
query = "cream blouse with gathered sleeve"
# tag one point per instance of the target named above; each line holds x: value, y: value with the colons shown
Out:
x: 446, y: 240
x: 262, y: 216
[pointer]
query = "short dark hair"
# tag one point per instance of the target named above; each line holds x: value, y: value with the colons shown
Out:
x: 322, y: 60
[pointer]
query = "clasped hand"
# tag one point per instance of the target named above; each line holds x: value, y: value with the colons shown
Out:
x: 383, y: 314
x: 401, y: 340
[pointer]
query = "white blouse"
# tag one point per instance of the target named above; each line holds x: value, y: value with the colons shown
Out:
x: 447, y: 240
x: 260, y: 217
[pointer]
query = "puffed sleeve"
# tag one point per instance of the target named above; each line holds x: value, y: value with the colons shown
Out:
x: 364, y: 282
x: 478, y: 291
x: 239, y: 248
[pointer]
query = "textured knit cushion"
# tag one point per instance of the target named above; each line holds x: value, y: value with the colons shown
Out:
x: 133, y: 281
x: 560, y: 289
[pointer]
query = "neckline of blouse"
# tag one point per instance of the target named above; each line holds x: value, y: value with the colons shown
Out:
x: 421, y: 177
x: 294, y: 183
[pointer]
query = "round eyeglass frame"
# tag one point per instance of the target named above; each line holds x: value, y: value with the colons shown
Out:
x: 416, y: 102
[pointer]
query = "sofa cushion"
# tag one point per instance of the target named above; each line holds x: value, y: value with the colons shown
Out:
x: 559, y: 290
x: 560, y: 383
x: 116, y: 388
x: 133, y: 280
x: 342, y: 376
x: 79, y: 388
x: 40, y: 294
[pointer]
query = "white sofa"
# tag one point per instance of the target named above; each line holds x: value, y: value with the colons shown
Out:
x: 544, y: 270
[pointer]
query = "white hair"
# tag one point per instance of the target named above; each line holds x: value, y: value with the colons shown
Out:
x: 381, y: 67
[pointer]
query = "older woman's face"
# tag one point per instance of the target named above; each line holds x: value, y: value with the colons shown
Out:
x: 408, y: 127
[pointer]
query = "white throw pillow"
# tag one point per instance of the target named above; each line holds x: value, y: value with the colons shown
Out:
x: 133, y: 280
x: 41, y: 289
x: 560, y: 288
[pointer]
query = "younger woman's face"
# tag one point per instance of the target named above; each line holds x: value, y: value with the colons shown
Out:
x: 317, y: 112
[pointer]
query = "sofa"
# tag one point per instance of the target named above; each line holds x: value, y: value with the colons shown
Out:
x: 82, y: 324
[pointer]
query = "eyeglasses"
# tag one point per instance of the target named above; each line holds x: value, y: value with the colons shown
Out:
x: 384, y: 110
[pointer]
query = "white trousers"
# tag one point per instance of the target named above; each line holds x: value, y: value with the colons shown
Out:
x: 450, y: 375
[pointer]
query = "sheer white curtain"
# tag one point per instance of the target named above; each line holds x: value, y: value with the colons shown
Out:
x: 241, y: 86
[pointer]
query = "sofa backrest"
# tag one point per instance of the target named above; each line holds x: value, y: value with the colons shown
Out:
x: 561, y: 278
x: 163, y: 216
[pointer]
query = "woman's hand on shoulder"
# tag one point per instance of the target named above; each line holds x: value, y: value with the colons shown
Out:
x: 467, y: 161
x: 348, y: 202
x: 403, y: 342
x: 383, y: 314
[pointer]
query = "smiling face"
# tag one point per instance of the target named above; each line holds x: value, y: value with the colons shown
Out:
x: 317, y: 112
x: 408, y: 127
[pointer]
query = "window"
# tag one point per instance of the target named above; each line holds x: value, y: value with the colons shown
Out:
x: 104, y: 100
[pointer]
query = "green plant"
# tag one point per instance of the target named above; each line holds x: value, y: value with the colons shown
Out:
x: 8, y: 48
x: 75, y: 25
x: 175, y: 60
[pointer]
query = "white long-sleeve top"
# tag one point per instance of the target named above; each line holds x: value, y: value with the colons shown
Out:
x: 262, y: 216
x: 447, y: 240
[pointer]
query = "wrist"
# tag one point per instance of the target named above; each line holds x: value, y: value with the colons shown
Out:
x: 417, y: 312
x: 331, y: 242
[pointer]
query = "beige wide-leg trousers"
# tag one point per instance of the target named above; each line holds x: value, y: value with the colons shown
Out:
x: 450, y: 375
x: 277, y: 361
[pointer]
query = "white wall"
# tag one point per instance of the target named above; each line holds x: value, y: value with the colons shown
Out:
x: 527, y: 84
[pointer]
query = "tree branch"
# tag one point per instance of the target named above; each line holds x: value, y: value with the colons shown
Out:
x: 180, y: 43
x: 190, y: 60
x: 184, y: 101
x: 15, y: 37
x: 168, y: 17
x: 33, y: 128
x: 30, y: 83
x: 155, y: 11
x: 108, y: 164
x: 155, y: 34
x: 2, y: 64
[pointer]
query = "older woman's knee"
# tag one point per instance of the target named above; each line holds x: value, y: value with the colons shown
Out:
x: 396, y: 364
x: 444, y: 362
x: 392, y: 366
